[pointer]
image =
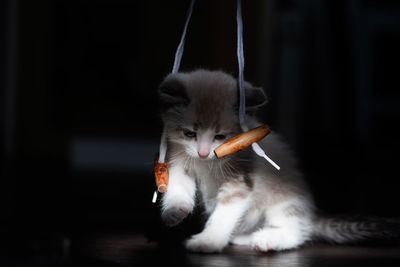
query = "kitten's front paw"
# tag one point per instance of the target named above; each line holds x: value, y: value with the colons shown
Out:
x: 276, y: 239
x: 205, y: 243
x: 174, y: 215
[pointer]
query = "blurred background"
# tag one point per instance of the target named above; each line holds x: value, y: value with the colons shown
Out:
x: 79, y: 114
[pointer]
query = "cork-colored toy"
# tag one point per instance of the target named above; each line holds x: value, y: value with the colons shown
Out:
x: 161, y: 174
x: 241, y: 141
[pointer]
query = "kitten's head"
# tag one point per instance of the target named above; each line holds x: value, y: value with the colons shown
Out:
x: 200, y: 109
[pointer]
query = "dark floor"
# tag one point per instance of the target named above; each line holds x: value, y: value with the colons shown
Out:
x: 104, y: 221
x: 128, y: 249
x: 134, y: 250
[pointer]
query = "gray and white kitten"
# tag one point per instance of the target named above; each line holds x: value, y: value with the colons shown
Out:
x: 247, y: 201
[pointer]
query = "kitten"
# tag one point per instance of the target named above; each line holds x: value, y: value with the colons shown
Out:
x: 247, y: 201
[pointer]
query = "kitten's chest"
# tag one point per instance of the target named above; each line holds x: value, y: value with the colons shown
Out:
x: 207, y: 179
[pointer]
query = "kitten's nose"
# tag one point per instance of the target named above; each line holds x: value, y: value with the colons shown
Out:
x: 203, y: 146
x: 203, y: 154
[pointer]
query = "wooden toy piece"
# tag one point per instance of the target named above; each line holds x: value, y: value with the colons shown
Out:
x: 242, y: 141
x: 161, y: 174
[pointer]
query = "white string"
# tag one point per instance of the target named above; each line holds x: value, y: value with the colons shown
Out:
x: 154, y: 199
x: 240, y: 55
x: 242, y: 95
x: 175, y: 69
x: 179, y: 50
x: 163, y: 148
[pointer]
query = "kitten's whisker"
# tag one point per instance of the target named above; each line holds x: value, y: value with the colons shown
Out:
x: 222, y: 171
x: 229, y: 169
x: 193, y: 162
x: 210, y: 165
x: 188, y: 161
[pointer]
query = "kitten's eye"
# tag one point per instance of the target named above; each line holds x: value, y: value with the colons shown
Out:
x: 219, y: 137
x: 189, y: 133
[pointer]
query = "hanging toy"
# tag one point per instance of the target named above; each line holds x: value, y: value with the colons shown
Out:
x: 161, y: 173
x: 239, y: 142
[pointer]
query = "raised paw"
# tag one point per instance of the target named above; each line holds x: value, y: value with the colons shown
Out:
x: 205, y: 243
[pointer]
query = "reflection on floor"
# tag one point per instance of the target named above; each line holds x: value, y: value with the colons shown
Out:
x: 134, y: 250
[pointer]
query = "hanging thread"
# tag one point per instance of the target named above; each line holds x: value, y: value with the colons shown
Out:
x: 179, y: 50
x: 242, y: 94
x: 240, y: 56
x: 175, y: 69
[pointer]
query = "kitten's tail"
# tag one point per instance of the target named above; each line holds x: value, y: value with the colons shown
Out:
x: 356, y: 229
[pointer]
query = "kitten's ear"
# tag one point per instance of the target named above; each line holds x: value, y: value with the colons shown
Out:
x: 172, y: 93
x: 255, y: 97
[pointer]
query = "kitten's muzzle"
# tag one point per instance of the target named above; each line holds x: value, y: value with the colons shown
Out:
x: 203, y: 155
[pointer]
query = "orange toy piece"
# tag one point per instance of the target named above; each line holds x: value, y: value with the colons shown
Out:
x: 161, y: 174
x: 242, y: 141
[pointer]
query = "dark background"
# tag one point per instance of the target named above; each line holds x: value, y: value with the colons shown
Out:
x: 79, y: 117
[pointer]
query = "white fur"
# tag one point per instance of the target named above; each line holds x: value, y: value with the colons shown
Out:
x: 219, y: 227
x: 263, y: 208
x: 282, y: 231
x: 260, y: 220
x: 178, y: 201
